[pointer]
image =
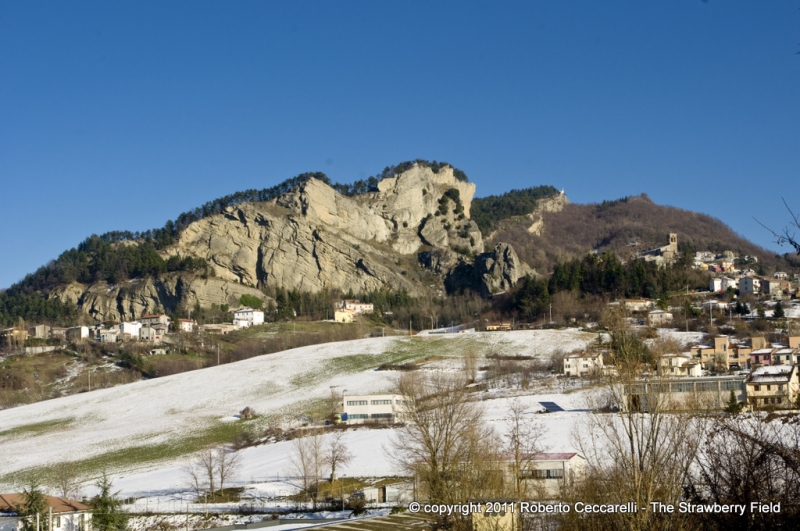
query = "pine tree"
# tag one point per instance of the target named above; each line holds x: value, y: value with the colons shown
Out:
x: 107, y: 513
x: 733, y: 406
x: 778, y: 312
x: 34, y: 502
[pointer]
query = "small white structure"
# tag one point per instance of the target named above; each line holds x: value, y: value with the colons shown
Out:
x: 186, y: 325
x: 670, y: 365
x: 658, y: 318
x: 357, y: 307
x: 109, y: 336
x: 728, y: 282
x: 358, y: 409
x: 584, y: 364
x: 61, y: 514
x: 548, y: 473
x: 715, y: 285
x: 639, y: 305
x: 246, y: 317
x: 131, y: 329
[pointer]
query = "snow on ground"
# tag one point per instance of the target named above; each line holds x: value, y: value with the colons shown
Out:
x: 167, y: 409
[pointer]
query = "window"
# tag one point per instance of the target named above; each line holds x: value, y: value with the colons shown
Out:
x: 555, y: 473
x: 758, y: 388
x: 780, y: 388
x: 58, y: 521
x: 356, y: 402
x: 769, y: 388
x: 381, y: 416
x: 358, y: 416
x: 381, y: 402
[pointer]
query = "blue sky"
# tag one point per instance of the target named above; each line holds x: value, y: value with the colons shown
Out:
x: 121, y: 115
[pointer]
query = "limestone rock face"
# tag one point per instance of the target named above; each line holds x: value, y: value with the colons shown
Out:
x: 551, y: 204
x: 499, y: 269
x: 314, y: 238
x: 131, y: 299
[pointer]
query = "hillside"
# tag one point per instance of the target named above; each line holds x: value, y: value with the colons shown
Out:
x: 625, y: 226
x: 416, y: 229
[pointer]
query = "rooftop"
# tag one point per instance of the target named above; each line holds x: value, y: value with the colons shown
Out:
x: 8, y: 502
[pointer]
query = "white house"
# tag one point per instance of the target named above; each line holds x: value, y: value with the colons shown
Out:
x: 131, y: 329
x: 62, y: 514
x: 728, y: 282
x: 715, y: 285
x: 583, y: 364
x: 245, y: 317
x: 358, y: 409
x: 658, y: 318
x: 548, y: 473
x: 357, y: 306
x: 186, y: 325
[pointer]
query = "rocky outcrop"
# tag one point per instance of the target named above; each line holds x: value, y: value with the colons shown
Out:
x: 314, y: 238
x: 131, y: 299
x: 551, y: 204
x: 490, y: 273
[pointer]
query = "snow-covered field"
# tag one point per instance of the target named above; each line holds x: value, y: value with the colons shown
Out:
x: 167, y: 410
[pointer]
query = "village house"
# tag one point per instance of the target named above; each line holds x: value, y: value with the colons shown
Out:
x: 61, y: 514
x: 344, y: 316
x: 77, y: 333
x: 155, y: 319
x: 246, y: 317
x: 130, y: 330
x: 358, y: 409
x: 678, y: 365
x: 774, y: 386
x: 39, y: 331
x: 761, y: 357
x: 13, y: 336
x: 58, y: 332
x: 785, y: 356
x: 584, y: 364
x: 221, y: 328
x: 749, y: 286
x: 639, y: 305
x: 151, y: 333
x: 357, y: 306
x: 109, y: 336
x: 775, y: 287
x: 504, y: 326
x: 186, y: 325
x: 659, y: 318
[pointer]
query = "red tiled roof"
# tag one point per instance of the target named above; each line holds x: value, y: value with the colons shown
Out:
x: 59, y: 505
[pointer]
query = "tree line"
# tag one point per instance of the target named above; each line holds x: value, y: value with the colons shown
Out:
x: 607, y: 276
x: 488, y: 211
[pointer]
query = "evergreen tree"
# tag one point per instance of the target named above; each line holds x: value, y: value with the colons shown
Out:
x: 733, y: 406
x: 778, y: 313
x: 107, y: 513
x: 34, y: 502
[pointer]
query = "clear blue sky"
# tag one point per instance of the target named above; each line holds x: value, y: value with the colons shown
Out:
x: 121, y: 115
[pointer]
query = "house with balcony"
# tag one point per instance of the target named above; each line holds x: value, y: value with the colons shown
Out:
x: 679, y: 365
x: 773, y: 387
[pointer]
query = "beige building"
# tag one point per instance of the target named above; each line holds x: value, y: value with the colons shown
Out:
x: 186, y: 325
x: 155, y: 319
x: 344, y: 316
x: 775, y: 386
x: 39, y: 331
x: 679, y: 365
x: 585, y: 364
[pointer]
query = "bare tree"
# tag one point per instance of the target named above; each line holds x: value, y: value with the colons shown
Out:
x: 471, y: 364
x: 786, y: 236
x: 522, y: 443
x: 64, y: 478
x: 337, y: 453
x: 443, y: 443
x: 228, y: 463
x: 643, y: 453
x: 308, y: 461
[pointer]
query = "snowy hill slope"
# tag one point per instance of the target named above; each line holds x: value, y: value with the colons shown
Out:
x: 136, y: 426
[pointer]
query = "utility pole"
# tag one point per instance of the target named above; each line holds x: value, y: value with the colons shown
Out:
x: 217, y: 354
x: 551, y: 313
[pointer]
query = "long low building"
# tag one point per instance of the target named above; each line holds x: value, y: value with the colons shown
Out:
x: 359, y: 409
x: 704, y: 393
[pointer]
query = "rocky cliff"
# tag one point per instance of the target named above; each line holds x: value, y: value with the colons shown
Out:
x: 414, y: 233
x: 314, y: 238
x: 134, y: 298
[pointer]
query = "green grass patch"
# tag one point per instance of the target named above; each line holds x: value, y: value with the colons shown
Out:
x: 141, y: 454
x: 36, y: 428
